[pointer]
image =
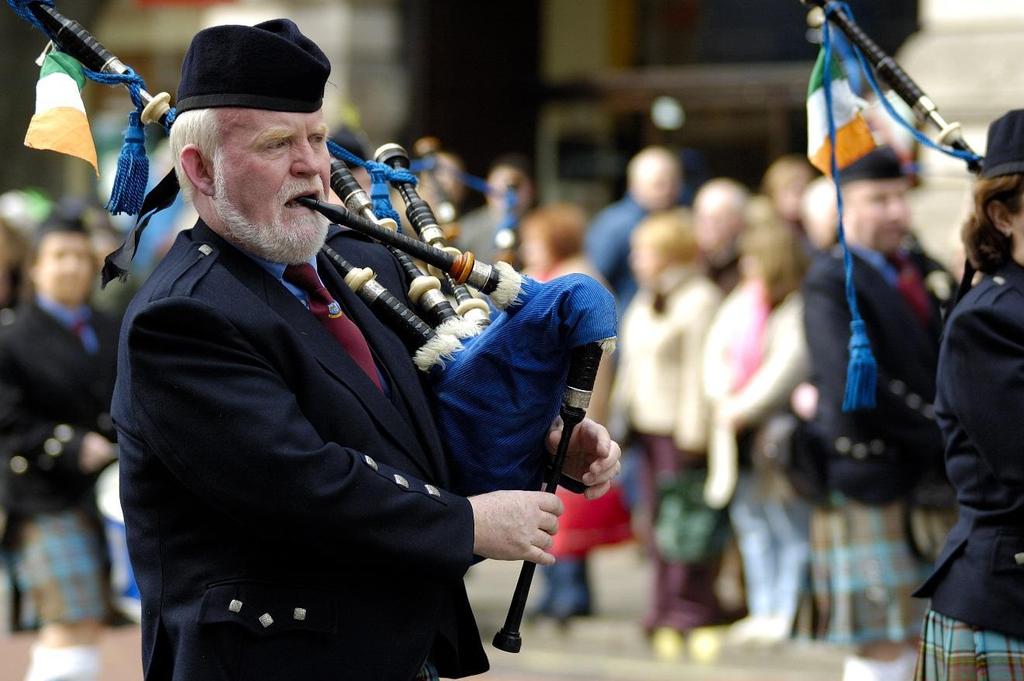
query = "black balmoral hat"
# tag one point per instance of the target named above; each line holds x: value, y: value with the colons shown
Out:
x: 1004, y: 150
x: 270, y: 66
x: 881, y: 163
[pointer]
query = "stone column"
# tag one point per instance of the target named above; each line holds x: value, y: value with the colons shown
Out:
x: 966, y: 57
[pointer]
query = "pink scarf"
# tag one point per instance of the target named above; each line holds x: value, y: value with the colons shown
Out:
x: 745, y: 352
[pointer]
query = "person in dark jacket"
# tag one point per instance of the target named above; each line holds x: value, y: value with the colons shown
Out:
x: 654, y: 182
x: 974, y: 629
x: 863, y: 567
x: 284, y: 485
x: 56, y: 380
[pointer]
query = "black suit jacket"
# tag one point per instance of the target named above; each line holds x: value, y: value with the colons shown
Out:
x: 873, y: 455
x: 285, y: 518
x: 979, y: 576
x: 52, y: 392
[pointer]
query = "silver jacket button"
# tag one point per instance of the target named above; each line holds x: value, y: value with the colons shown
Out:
x: 299, y: 614
x: 266, y: 620
x: 235, y: 605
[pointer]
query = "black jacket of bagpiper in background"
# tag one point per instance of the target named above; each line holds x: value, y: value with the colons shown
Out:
x: 285, y: 519
x: 874, y: 455
x: 52, y: 392
x: 979, y: 576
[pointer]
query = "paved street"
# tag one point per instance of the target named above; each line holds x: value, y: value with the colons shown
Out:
x: 611, y: 646
x: 607, y: 647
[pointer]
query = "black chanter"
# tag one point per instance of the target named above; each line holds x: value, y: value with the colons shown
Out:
x: 579, y: 385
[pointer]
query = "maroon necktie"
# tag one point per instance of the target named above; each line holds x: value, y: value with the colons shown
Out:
x: 911, y: 287
x: 78, y: 328
x: 329, y: 312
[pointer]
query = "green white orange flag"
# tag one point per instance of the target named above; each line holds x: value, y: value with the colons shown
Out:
x: 853, y: 136
x: 59, y: 123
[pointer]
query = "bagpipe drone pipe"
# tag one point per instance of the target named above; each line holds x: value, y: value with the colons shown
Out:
x: 444, y: 173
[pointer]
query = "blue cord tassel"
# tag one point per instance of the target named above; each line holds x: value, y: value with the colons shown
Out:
x: 380, y: 175
x: 338, y: 151
x: 380, y: 192
x: 861, y: 372
x: 132, y: 170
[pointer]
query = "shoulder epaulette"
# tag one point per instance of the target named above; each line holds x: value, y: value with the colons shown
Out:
x: 181, y: 277
x: 990, y: 289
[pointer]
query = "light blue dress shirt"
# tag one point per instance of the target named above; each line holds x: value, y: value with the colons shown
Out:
x: 69, y: 317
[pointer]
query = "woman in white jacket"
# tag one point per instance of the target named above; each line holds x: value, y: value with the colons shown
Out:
x: 755, y: 356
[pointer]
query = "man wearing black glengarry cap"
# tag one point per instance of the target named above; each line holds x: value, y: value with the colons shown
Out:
x: 283, y: 482
x: 863, y: 564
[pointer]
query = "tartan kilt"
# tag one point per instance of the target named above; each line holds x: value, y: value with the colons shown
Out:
x: 863, y: 573
x: 58, y: 569
x: 952, y: 650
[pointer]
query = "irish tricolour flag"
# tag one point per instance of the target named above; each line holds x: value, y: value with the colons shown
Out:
x: 59, y: 123
x: 853, y: 137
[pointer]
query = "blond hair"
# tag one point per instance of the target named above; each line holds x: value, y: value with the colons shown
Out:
x: 776, y: 248
x: 786, y: 170
x: 669, y: 232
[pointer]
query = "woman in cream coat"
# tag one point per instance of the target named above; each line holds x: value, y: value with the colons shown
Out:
x: 659, y: 388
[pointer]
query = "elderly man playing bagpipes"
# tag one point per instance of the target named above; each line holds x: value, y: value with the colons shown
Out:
x: 284, y: 482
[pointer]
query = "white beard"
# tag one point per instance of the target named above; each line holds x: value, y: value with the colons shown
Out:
x: 285, y: 240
